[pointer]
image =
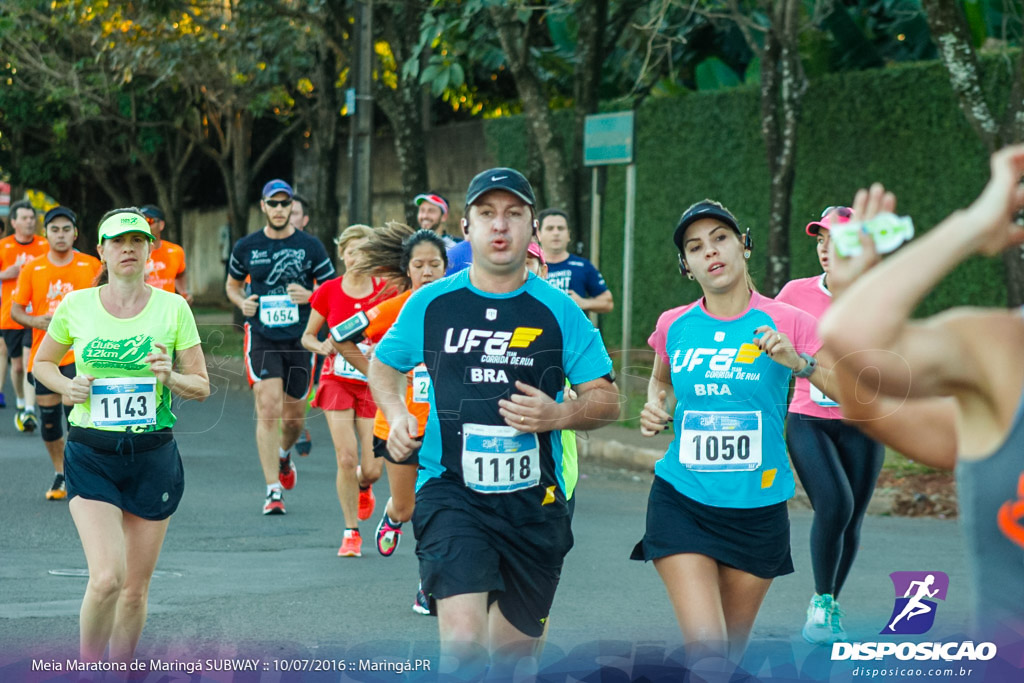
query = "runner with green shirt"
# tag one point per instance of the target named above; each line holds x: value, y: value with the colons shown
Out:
x: 123, y: 470
x: 536, y: 264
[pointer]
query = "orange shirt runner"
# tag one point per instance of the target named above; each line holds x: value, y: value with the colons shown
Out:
x: 165, y: 264
x: 12, y: 251
x: 382, y: 317
x: 44, y: 286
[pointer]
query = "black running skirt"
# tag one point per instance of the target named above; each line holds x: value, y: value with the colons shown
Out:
x: 754, y: 540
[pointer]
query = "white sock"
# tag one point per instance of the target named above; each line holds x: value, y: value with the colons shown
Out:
x: 276, y: 486
x: 282, y: 453
x: 21, y: 403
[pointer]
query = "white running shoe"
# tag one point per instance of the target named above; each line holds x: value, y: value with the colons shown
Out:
x: 838, y: 632
x: 818, y: 629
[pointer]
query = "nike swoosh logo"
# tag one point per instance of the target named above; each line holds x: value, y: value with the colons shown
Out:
x: 496, y: 178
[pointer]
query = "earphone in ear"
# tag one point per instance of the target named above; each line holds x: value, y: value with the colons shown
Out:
x: 465, y: 226
x: 536, y: 227
x: 747, y: 242
x: 682, y: 268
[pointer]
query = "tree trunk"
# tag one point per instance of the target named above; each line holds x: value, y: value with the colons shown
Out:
x: 515, y: 43
x: 596, y: 38
x: 953, y: 39
x: 411, y: 149
x: 179, y: 169
x: 324, y: 137
x: 782, y: 88
x: 168, y: 181
x: 951, y: 35
x: 102, y: 178
x: 403, y: 106
x: 225, y: 135
x: 592, y: 17
x: 240, y: 132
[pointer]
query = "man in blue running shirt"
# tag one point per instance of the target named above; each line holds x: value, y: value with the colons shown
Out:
x: 491, y: 520
x: 574, y: 275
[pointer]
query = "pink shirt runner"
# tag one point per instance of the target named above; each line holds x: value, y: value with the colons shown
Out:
x: 809, y: 295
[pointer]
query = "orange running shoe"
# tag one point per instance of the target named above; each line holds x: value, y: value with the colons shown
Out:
x: 367, y: 501
x: 351, y: 545
x: 58, y: 491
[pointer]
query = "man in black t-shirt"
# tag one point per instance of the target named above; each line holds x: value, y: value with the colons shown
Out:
x: 284, y: 266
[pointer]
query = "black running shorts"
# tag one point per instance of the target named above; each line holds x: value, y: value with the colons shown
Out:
x: 43, y: 390
x: 380, y: 450
x: 17, y: 341
x: 287, y: 360
x: 138, y: 473
x: 754, y: 540
x: 464, y: 548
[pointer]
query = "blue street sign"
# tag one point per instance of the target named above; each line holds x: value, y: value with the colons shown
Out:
x: 608, y: 139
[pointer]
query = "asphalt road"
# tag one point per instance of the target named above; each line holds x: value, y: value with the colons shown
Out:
x: 232, y: 582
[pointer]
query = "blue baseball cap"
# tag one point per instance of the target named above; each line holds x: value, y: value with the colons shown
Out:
x: 275, y: 186
x: 153, y: 211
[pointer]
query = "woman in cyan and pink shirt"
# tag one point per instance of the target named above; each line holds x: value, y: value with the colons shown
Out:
x: 717, y: 523
x: 837, y: 463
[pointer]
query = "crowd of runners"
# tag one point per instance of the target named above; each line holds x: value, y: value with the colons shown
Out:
x: 463, y: 365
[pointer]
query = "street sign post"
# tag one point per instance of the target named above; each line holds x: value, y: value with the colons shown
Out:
x: 608, y: 139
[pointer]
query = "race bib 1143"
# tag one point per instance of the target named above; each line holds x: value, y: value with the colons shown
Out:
x: 123, y: 401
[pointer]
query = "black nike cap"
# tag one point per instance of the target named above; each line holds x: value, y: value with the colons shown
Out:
x: 507, y: 179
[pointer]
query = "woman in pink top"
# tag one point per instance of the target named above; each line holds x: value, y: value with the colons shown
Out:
x: 836, y: 462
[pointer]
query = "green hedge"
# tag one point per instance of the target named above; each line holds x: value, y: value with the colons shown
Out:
x: 900, y: 125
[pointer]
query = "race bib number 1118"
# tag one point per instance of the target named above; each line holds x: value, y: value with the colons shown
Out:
x: 499, y: 459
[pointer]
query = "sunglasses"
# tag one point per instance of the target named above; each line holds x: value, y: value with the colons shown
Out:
x: 841, y: 211
x: 274, y: 203
x: 150, y: 220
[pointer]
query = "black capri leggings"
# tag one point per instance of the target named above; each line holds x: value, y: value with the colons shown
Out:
x: 838, y: 466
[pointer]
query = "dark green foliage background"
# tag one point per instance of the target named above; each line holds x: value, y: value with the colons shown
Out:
x: 900, y: 126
